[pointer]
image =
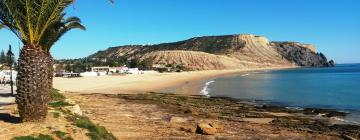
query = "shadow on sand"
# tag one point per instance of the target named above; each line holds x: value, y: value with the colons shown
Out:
x: 9, y: 118
x: 6, y: 95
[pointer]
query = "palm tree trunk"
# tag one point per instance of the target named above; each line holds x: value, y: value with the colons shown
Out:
x: 34, y: 83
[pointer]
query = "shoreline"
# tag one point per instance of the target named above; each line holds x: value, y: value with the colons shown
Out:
x: 236, y: 116
x: 201, y: 87
x: 184, y: 83
x: 143, y: 82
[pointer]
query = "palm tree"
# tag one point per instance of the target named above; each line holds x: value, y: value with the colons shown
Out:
x: 38, y: 24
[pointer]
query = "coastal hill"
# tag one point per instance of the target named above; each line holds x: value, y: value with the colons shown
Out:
x: 222, y: 52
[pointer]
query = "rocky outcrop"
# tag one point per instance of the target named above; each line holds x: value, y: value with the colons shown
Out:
x: 222, y: 52
x: 209, y: 128
x: 302, y: 55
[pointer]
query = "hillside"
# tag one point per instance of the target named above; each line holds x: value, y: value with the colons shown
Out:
x: 222, y: 52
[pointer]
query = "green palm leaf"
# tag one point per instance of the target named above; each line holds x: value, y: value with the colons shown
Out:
x: 2, y: 26
x: 31, y: 18
x: 58, y: 29
x: 38, y: 24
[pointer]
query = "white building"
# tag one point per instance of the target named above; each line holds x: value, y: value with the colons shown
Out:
x: 106, y: 70
x: 88, y: 74
x: 118, y: 69
x: 133, y: 71
x: 5, y: 74
x: 100, y: 69
x: 123, y: 69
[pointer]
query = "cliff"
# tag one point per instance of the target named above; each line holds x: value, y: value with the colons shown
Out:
x: 302, y: 55
x: 222, y: 52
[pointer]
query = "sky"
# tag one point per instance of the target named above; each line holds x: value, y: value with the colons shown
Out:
x: 333, y: 26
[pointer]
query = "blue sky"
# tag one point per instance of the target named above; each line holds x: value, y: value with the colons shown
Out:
x: 332, y: 25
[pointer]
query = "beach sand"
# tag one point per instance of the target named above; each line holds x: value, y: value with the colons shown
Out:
x: 140, y: 82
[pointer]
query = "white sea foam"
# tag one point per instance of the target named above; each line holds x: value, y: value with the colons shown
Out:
x: 246, y: 74
x: 294, y: 108
x: 342, y: 120
x: 205, y: 90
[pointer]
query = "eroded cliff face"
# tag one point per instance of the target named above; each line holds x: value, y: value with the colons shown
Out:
x: 302, y: 54
x: 223, y: 52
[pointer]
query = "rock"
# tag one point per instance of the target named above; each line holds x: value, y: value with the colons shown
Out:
x: 212, y: 115
x: 301, y: 54
x: 191, y: 111
x: 70, y: 101
x: 220, y: 52
x: 331, y: 63
x: 74, y: 110
x: 177, y: 120
x: 346, y: 137
x: 205, y: 128
x: 219, y: 127
x: 189, y: 128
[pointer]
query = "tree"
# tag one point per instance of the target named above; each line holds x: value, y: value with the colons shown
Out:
x: 38, y: 24
x: 134, y: 63
x: 147, y: 64
x: 2, y: 57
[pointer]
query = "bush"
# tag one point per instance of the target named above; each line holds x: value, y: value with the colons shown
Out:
x: 55, y: 95
x: 40, y: 137
x: 56, y: 114
x: 59, y: 104
x: 62, y: 135
x: 96, y: 132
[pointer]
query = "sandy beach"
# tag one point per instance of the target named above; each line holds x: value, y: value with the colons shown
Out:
x: 140, y: 82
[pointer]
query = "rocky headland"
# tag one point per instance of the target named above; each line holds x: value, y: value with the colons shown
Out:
x: 223, y: 52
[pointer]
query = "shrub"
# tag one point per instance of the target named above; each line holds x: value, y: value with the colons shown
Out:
x: 40, y: 137
x: 55, y: 95
x: 62, y: 135
x: 59, y: 104
x: 96, y: 132
x: 56, y: 114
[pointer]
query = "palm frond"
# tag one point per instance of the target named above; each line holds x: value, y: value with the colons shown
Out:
x: 2, y: 26
x: 33, y: 17
x: 57, y: 30
x: 38, y: 23
x: 6, y: 19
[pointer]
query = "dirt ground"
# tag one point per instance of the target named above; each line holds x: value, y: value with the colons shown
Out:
x: 163, y: 117
x: 131, y: 120
x: 10, y: 125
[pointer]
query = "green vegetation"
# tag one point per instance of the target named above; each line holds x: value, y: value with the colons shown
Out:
x: 96, y: 132
x: 85, y: 64
x: 38, y: 24
x: 59, y: 134
x: 57, y: 99
x: 40, y: 137
x: 59, y: 104
x: 203, y: 106
x: 3, y: 58
x: 55, y: 95
x: 177, y: 67
x: 56, y: 114
x: 62, y: 135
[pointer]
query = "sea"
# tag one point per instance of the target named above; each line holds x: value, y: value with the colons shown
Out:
x: 328, y: 88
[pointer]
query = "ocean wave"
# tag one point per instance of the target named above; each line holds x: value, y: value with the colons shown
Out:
x: 294, y: 108
x: 338, y: 119
x: 205, y: 90
x: 246, y: 74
